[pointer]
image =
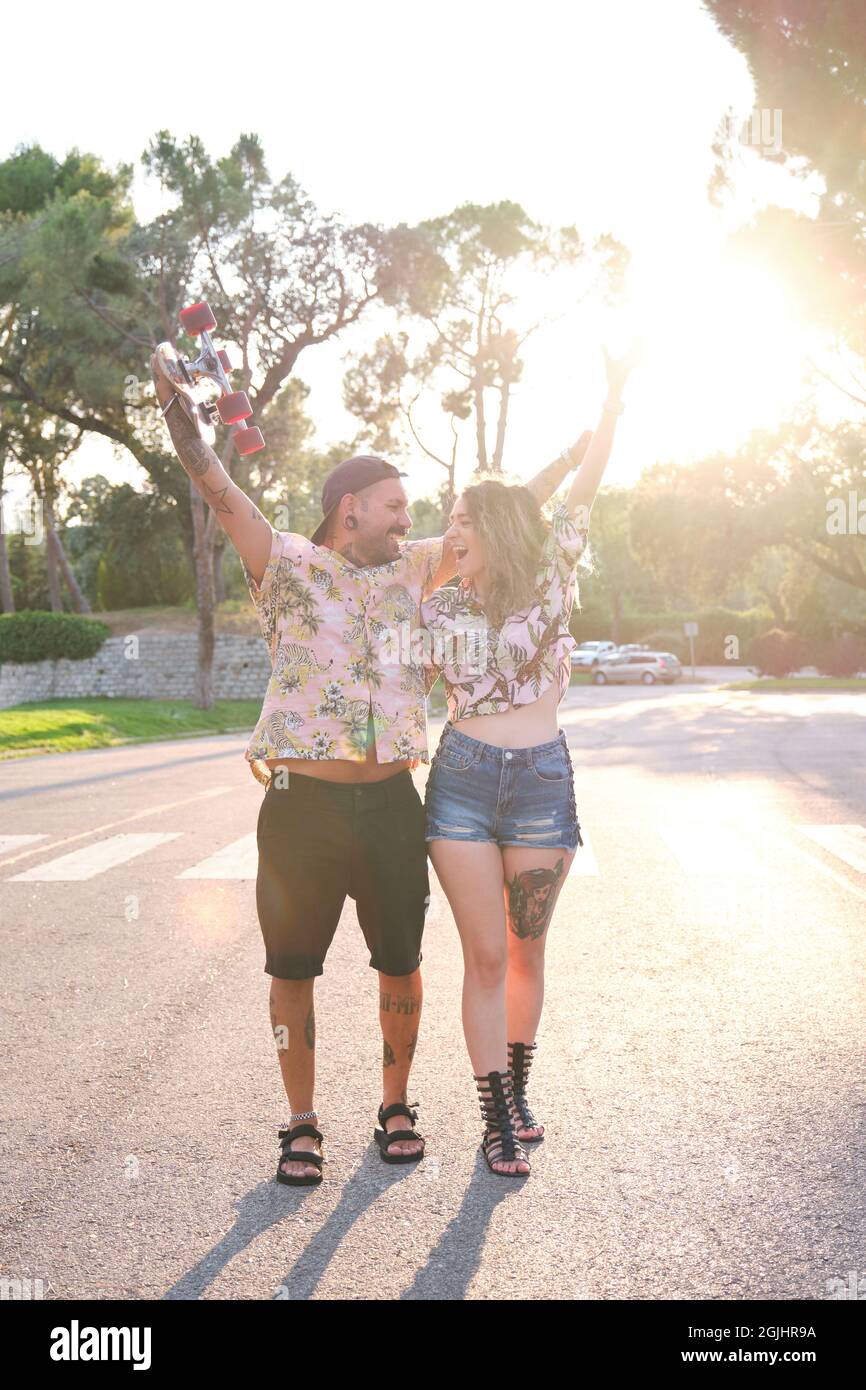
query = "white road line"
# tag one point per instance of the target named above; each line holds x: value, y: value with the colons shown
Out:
x: 124, y: 820
x: 13, y: 841
x: 847, y: 842
x: 93, y: 859
x: 785, y: 842
x: 584, y: 863
x: 711, y: 848
x: 240, y: 859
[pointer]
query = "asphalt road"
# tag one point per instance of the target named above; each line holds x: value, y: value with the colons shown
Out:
x: 700, y: 1069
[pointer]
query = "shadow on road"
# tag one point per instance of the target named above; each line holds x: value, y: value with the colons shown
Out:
x: 447, y: 1274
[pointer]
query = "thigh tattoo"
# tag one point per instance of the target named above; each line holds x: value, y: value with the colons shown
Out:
x: 531, y: 895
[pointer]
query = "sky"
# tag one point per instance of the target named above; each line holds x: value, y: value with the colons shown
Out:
x: 602, y: 115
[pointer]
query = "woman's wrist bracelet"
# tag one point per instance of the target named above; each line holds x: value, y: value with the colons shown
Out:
x: 614, y: 407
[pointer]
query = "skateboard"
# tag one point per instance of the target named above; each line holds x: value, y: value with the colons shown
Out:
x: 193, y: 383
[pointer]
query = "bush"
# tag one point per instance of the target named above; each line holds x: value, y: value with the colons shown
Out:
x: 664, y: 631
x: 778, y: 653
x: 845, y: 656
x: 668, y: 641
x: 38, y: 636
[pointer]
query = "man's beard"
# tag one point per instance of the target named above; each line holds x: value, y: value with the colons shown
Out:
x: 385, y: 549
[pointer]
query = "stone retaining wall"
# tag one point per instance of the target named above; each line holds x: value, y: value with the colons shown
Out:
x: 150, y: 665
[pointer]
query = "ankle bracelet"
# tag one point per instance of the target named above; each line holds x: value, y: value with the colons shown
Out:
x: 305, y: 1115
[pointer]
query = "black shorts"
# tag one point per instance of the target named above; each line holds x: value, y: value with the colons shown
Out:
x: 319, y: 841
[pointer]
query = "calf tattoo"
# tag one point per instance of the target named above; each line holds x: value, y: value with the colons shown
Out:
x: 388, y: 1058
x: 399, y: 1003
x: 531, y: 895
x: 310, y: 1029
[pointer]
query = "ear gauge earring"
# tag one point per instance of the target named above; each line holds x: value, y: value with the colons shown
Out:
x: 351, y: 523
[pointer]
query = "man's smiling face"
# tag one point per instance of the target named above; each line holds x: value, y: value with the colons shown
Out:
x: 383, y: 521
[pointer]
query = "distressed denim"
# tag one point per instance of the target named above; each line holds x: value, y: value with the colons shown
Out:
x: 503, y: 796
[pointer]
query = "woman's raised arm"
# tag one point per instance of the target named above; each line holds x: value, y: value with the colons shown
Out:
x: 586, y: 482
x: 545, y: 483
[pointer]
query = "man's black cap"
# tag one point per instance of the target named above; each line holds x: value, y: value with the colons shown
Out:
x: 350, y: 476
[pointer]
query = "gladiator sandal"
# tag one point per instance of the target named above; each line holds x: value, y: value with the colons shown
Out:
x: 498, y: 1143
x: 519, y: 1061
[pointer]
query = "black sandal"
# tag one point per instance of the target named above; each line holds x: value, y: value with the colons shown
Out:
x: 290, y: 1155
x: 519, y: 1061
x: 499, y: 1144
x: 385, y: 1139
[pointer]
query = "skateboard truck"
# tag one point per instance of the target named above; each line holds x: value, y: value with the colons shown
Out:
x: 191, y: 379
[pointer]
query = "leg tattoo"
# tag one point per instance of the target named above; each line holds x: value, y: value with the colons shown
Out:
x: 399, y: 1003
x: 530, y: 900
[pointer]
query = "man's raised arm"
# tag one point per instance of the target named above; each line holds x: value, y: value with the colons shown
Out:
x: 249, y: 531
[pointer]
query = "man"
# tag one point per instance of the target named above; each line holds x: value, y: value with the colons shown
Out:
x: 339, y: 733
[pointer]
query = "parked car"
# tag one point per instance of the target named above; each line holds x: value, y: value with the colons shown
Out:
x: 633, y: 647
x: 590, y: 653
x: 633, y: 667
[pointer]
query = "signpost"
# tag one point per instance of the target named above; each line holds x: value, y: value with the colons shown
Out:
x: 691, y: 631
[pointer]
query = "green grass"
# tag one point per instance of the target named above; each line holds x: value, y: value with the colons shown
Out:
x: 800, y: 683
x: 65, y: 726
x: 62, y: 726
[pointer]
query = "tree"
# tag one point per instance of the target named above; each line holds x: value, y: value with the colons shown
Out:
x: 808, y: 60
x: 468, y: 279
x: 87, y: 293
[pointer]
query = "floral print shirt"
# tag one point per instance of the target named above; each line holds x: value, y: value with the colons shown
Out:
x: 486, y: 670
x: 327, y: 624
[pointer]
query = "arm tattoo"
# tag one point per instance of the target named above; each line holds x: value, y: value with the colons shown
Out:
x: 195, y: 456
x: 220, y: 505
x: 531, y: 896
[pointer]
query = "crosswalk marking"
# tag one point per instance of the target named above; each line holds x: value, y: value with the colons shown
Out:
x: 847, y: 842
x: 238, y: 860
x: 707, y: 847
x: 94, y: 859
x: 712, y: 848
x: 15, y: 841
x: 584, y: 863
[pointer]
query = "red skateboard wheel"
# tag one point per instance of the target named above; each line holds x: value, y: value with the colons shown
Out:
x: 234, y: 407
x: 249, y: 440
x: 224, y: 360
x: 198, y: 318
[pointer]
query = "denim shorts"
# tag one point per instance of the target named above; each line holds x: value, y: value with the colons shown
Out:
x: 503, y: 796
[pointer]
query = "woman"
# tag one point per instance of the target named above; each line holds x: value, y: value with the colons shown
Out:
x: 501, y: 822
